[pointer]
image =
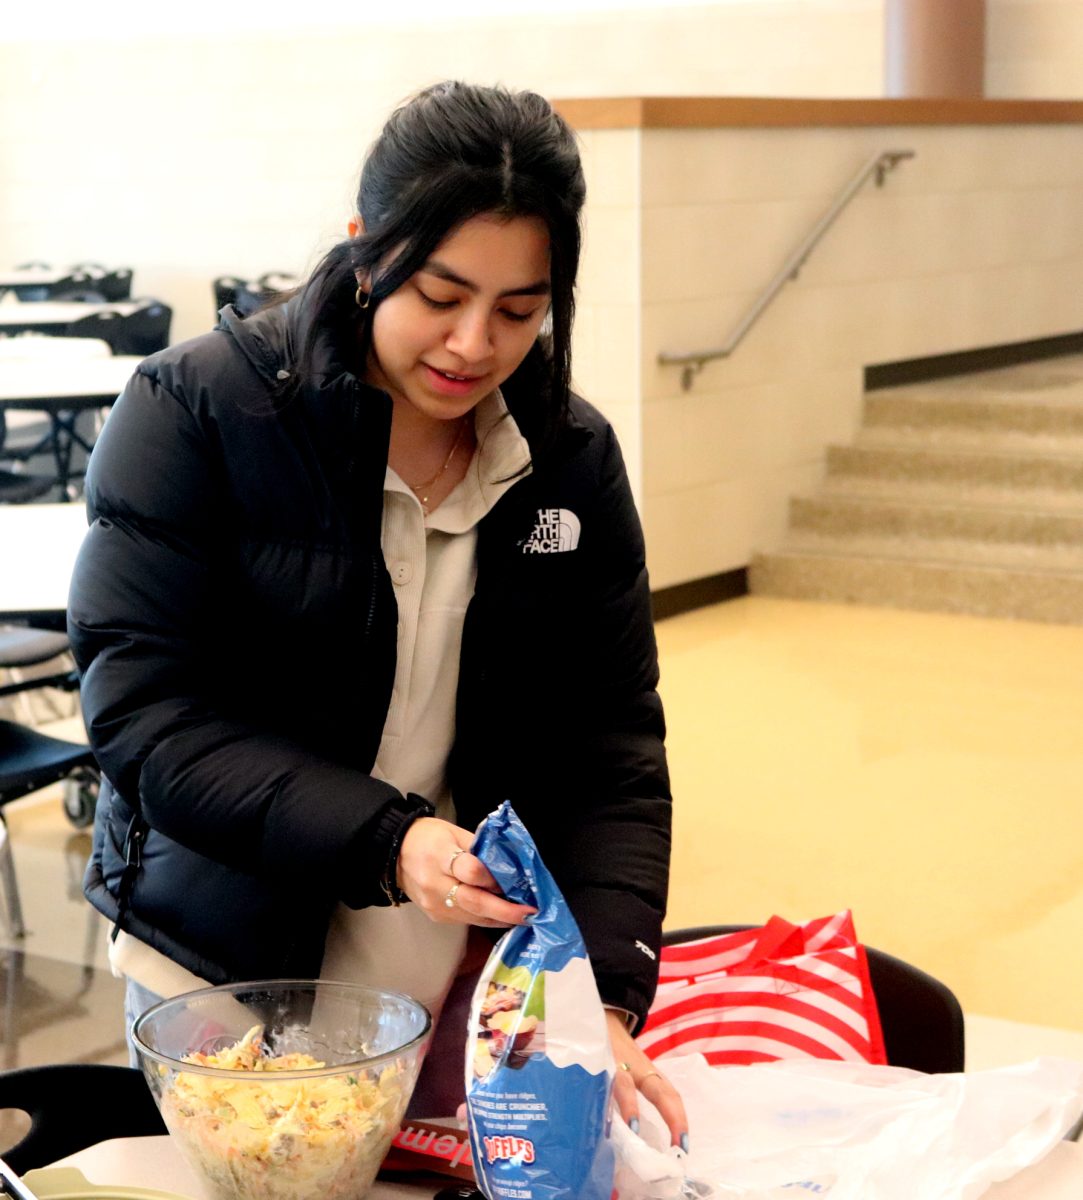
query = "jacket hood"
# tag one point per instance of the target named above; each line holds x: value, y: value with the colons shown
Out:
x: 271, y: 340
x: 263, y: 338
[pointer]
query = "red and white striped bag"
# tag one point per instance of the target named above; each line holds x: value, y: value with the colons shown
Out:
x: 780, y: 991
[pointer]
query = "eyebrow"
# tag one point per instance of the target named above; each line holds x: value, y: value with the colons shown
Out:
x: 433, y: 267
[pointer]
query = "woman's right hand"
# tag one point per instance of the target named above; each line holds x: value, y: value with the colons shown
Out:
x: 435, y: 866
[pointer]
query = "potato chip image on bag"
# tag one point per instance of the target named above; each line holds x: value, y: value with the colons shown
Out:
x: 538, y: 1065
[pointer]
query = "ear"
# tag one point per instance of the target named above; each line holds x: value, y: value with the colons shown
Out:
x: 355, y: 226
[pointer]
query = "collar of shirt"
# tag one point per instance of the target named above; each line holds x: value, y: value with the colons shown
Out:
x: 502, y: 458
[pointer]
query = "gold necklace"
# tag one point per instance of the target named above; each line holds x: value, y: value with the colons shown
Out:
x: 422, y: 490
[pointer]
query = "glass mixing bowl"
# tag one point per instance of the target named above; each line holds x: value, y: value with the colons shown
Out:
x: 283, y: 1089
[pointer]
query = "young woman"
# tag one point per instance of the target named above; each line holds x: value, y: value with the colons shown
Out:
x: 360, y: 568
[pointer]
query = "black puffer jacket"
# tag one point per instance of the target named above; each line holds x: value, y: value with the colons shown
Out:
x: 234, y: 625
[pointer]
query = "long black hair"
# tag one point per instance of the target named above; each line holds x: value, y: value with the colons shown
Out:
x: 452, y: 152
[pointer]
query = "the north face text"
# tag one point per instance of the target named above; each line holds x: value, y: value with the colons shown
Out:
x: 556, y: 531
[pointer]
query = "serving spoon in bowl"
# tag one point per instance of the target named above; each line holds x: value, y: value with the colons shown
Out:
x: 13, y: 1185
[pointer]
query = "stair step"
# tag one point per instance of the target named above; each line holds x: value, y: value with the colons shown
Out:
x: 910, y: 465
x: 961, y: 551
x: 971, y: 440
x: 976, y: 414
x: 826, y: 515
x: 952, y: 492
x: 958, y: 495
x: 1034, y: 595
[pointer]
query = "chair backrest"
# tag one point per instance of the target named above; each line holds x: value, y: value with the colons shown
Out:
x: 921, y: 1018
x: 146, y: 330
x: 273, y: 282
x: 79, y: 285
x: 102, y: 326
x: 249, y: 298
x: 72, y: 1106
x: 116, y: 285
x: 226, y: 288
x: 248, y: 295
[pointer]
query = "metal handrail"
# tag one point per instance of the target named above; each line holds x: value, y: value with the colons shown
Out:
x: 879, y: 165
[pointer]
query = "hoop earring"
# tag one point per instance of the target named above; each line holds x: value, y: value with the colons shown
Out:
x: 357, y: 298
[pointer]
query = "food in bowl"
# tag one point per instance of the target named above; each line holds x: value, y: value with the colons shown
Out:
x: 302, y: 1110
x: 326, y: 1136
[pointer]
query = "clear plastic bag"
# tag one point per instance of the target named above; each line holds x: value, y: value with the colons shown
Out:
x: 851, y: 1131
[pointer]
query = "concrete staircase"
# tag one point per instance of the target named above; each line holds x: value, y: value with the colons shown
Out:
x: 961, y: 495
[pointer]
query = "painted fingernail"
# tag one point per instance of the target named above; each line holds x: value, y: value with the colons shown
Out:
x: 633, y: 1124
x: 684, y: 1142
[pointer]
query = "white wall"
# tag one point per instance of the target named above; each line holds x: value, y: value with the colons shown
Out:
x: 1034, y: 48
x: 978, y: 241
x: 173, y: 141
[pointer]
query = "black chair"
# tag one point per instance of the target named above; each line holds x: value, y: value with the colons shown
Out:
x: 30, y: 760
x: 249, y: 295
x: 921, y: 1018
x: 226, y: 288
x: 273, y: 283
x: 142, y: 332
x: 19, y: 488
x: 75, y: 1105
x: 23, y: 646
x: 32, y: 291
x: 146, y: 331
x: 106, y: 326
x: 79, y: 285
x: 27, y: 646
x: 116, y: 285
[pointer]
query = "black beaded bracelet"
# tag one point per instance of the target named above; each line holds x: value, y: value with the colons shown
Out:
x: 389, y: 880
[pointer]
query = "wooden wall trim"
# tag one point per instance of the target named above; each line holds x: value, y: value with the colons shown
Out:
x: 711, y: 112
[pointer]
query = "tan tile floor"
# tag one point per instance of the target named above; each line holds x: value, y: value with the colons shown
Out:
x: 922, y: 769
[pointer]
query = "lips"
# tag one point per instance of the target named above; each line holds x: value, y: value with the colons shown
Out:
x: 449, y: 383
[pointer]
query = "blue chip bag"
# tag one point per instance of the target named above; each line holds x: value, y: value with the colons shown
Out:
x: 539, y: 1069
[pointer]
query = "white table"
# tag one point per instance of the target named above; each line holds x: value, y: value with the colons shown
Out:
x: 35, y: 277
x: 62, y: 387
x: 45, y: 316
x: 154, y: 1162
x: 38, y: 545
x: 27, y: 382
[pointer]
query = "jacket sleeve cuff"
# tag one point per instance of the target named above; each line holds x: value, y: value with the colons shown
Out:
x: 369, y: 855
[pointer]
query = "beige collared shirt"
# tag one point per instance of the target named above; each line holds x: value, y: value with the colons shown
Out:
x: 432, y: 563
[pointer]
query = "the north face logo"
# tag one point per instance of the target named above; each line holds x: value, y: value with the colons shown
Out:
x: 557, y: 530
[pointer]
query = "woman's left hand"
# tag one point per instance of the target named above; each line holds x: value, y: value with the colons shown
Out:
x: 636, y: 1074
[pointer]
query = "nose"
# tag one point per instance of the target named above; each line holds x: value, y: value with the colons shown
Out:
x: 471, y: 337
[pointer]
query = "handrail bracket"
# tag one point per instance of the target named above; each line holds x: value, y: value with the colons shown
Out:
x: 879, y: 166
